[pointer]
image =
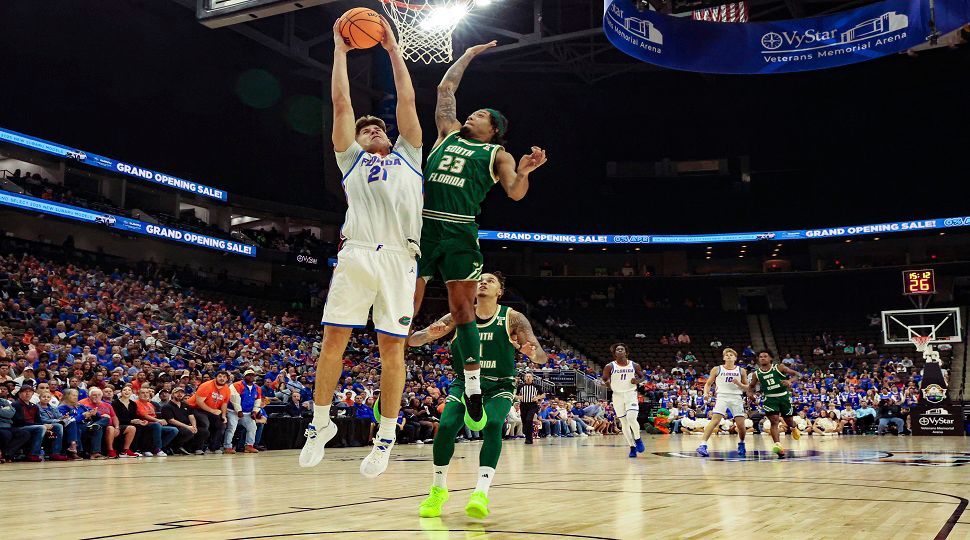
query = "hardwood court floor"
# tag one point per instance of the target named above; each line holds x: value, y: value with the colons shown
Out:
x: 830, y: 488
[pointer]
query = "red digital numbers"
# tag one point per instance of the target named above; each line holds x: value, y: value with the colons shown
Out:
x: 919, y: 282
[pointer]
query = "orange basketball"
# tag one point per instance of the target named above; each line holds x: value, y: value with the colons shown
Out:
x: 361, y: 28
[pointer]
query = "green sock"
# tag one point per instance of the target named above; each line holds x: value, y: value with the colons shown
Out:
x: 467, y: 349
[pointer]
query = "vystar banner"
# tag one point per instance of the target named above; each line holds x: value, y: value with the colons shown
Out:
x: 847, y: 37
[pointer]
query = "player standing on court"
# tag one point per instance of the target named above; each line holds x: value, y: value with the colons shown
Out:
x: 502, y: 329
x: 621, y: 377
x: 731, y: 382
x: 466, y: 161
x: 776, y: 381
x: 376, y: 265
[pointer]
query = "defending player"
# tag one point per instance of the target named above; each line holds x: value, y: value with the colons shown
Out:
x: 501, y: 328
x: 776, y: 381
x: 376, y: 264
x: 622, y: 377
x: 731, y: 382
x: 466, y: 161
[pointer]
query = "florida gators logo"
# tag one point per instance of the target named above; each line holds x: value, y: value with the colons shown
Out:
x: 404, y: 321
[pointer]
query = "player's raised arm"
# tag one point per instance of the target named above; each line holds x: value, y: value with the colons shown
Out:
x: 407, y: 112
x: 343, y: 109
x: 522, y: 330
x: 446, y: 112
x: 439, y: 328
x: 515, y: 180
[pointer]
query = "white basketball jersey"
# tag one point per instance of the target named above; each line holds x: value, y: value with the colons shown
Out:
x: 725, y: 380
x: 384, y: 195
x: 621, y: 378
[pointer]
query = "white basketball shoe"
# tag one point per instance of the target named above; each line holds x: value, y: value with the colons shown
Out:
x: 376, y: 462
x: 316, y: 440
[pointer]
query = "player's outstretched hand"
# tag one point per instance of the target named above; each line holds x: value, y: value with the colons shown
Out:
x: 529, y: 349
x: 533, y: 161
x: 339, y: 43
x: 437, y: 329
x: 738, y: 383
x: 786, y: 382
x: 389, y: 42
x: 476, y: 50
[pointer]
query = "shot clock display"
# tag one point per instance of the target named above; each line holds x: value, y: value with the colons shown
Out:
x: 919, y: 282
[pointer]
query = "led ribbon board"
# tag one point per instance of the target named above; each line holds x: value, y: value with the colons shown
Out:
x: 847, y: 37
x: 101, y: 162
x: 803, y: 234
x: 77, y: 213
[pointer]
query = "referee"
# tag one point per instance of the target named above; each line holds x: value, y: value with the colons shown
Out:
x: 529, y: 395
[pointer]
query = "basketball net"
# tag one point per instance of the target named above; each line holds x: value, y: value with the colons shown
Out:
x: 923, y: 345
x: 424, y: 29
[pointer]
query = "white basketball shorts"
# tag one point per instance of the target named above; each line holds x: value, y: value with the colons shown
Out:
x: 372, y: 276
x: 626, y: 402
x: 732, y: 402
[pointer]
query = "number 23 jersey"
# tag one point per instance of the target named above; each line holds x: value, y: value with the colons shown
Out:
x: 384, y: 195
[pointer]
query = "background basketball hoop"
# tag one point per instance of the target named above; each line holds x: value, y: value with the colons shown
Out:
x: 424, y: 28
x: 921, y: 342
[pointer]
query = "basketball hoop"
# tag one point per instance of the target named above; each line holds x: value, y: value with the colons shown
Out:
x: 921, y: 342
x: 424, y: 29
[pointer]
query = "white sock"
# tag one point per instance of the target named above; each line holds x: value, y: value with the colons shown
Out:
x: 440, y: 477
x: 485, y: 476
x: 473, y: 382
x: 321, y: 416
x: 387, y: 428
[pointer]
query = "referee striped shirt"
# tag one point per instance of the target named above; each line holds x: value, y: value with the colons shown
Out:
x: 529, y: 393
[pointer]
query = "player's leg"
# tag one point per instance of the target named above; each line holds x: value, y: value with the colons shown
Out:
x: 393, y: 308
x: 632, y: 418
x: 461, y: 267
x: 711, y: 426
x: 497, y: 408
x: 452, y: 419
x: 348, y: 303
x: 788, y: 412
x: 737, y: 404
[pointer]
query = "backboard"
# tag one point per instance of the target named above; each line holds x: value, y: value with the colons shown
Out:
x: 219, y: 13
x: 942, y: 325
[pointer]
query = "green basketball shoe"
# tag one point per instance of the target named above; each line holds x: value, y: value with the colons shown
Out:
x: 477, y: 408
x: 431, y: 506
x: 477, y: 506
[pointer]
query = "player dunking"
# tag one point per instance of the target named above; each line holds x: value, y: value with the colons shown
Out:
x: 466, y: 161
x: 776, y: 381
x: 621, y: 377
x: 501, y: 329
x: 731, y: 381
x: 376, y: 264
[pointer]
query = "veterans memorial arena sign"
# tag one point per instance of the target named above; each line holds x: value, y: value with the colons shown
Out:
x: 847, y: 37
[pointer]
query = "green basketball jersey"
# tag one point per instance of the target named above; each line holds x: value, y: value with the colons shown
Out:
x: 457, y: 177
x: 771, y: 382
x: 498, y: 354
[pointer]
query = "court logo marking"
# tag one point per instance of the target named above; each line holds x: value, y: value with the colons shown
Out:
x: 915, y: 459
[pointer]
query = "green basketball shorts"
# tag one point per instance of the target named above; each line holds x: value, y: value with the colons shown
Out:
x: 450, y: 250
x: 779, y: 405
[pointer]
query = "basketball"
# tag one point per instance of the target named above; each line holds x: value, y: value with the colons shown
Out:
x: 361, y: 28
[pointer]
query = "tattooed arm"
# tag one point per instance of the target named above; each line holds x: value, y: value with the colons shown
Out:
x: 446, y: 112
x: 522, y: 333
x: 437, y: 329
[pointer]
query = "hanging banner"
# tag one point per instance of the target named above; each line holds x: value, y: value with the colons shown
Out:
x: 847, y: 37
x: 76, y: 213
x: 915, y: 225
x: 101, y: 162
